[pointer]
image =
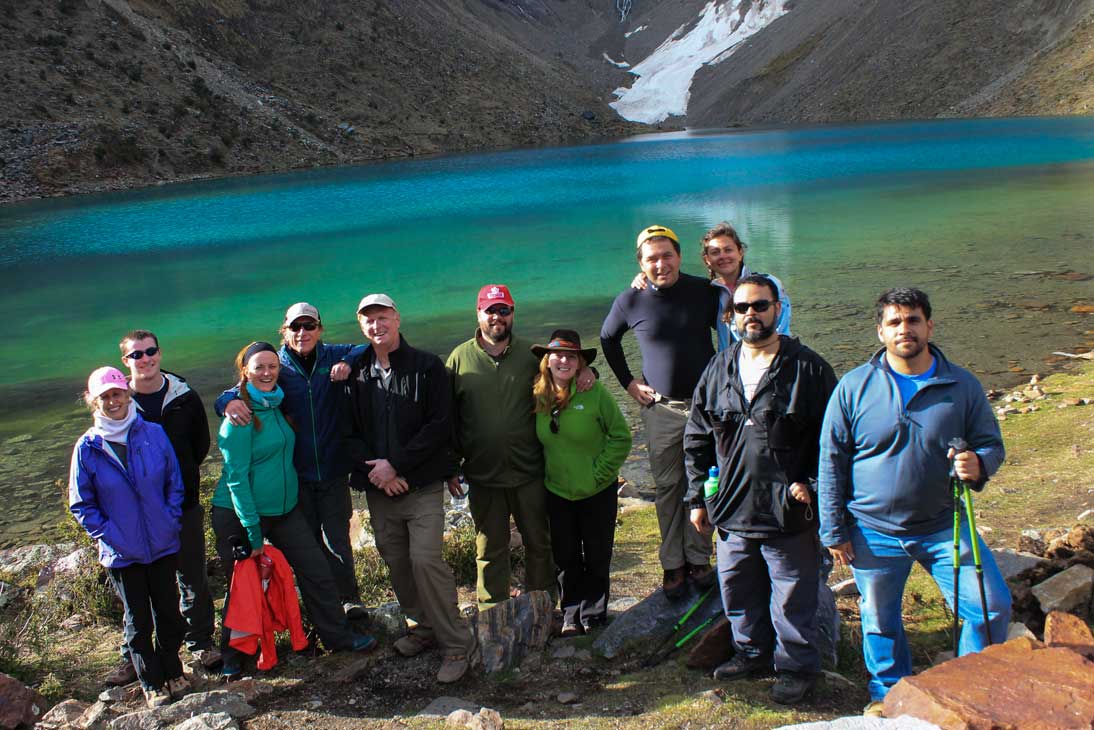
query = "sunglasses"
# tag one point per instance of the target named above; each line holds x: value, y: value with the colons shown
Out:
x: 760, y: 305
x: 554, y: 419
x: 138, y: 354
x: 500, y: 310
x: 306, y: 326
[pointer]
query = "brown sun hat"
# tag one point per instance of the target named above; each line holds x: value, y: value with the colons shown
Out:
x: 565, y: 341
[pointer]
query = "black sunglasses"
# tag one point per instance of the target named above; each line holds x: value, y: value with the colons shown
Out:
x: 138, y: 354
x: 500, y: 309
x: 554, y: 419
x: 760, y: 305
x: 306, y: 326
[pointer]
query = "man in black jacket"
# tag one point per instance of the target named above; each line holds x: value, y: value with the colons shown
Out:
x: 756, y: 415
x: 166, y: 399
x: 398, y: 433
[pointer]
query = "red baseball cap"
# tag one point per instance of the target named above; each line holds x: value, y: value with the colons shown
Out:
x: 492, y: 294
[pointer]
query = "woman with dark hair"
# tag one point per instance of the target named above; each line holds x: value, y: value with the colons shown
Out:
x: 256, y: 500
x: 125, y: 489
x: 585, y: 441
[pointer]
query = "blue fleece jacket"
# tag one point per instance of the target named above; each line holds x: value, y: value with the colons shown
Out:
x: 884, y: 464
x: 314, y: 405
x: 134, y: 511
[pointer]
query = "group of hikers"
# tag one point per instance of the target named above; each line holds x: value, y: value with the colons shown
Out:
x: 756, y: 446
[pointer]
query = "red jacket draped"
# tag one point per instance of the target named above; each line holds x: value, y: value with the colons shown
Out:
x: 254, y: 614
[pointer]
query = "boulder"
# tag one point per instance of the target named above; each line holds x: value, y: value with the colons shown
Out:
x: 713, y: 648
x: 16, y: 561
x: 388, y: 619
x: 865, y: 723
x: 458, y: 718
x: 198, y: 703
x: 648, y: 623
x: 441, y: 707
x: 1031, y: 686
x: 209, y: 721
x: 20, y: 706
x: 1068, y: 631
x: 1069, y: 590
x: 1012, y: 562
x: 512, y: 629
x: 487, y: 719
x: 62, y: 714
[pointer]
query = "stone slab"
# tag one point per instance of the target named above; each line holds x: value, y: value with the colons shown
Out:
x: 1068, y: 631
x: 865, y: 723
x: 511, y: 630
x: 1013, y: 562
x: 1019, y: 684
x: 1069, y: 590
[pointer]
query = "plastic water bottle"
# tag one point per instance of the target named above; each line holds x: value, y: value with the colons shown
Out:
x: 710, y: 486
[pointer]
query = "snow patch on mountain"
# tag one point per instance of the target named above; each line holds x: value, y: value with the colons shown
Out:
x: 664, y: 78
x: 612, y: 61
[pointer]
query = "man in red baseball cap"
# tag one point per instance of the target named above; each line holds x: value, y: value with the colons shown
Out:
x: 502, y: 460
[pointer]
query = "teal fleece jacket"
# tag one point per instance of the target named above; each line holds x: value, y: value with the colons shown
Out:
x: 592, y: 443
x: 259, y: 479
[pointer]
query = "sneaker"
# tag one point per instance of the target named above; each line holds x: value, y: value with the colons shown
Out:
x: 156, y: 697
x: 792, y: 687
x: 354, y: 611
x: 412, y: 644
x: 453, y: 668
x: 208, y: 658
x: 673, y: 583
x: 875, y: 709
x: 363, y: 643
x: 571, y: 628
x: 741, y: 666
x: 231, y: 670
x: 178, y: 687
x: 702, y: 575
x: 121, y: 675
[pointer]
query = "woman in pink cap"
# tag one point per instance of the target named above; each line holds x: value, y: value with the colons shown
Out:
x: 126, y: 490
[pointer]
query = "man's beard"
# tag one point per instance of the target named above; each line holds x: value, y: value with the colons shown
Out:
x: 754, y: 336
x: 507, y: 332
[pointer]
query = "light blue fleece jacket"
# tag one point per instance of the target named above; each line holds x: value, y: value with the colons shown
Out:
x: 884, y: 464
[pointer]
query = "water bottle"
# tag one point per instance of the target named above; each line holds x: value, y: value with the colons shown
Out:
x: 710, y: 486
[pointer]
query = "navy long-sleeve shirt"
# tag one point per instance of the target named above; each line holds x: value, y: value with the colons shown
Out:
x: 673, y: 326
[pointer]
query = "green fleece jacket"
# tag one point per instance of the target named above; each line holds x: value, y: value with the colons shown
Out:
x: 259, y: 479
x: 492, y: 411
x: 592, y: 442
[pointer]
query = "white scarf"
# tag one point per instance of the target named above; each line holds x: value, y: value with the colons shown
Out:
x: 111, y: 430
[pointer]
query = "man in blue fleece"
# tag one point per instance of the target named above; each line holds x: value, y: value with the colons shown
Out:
x: 884, y: 484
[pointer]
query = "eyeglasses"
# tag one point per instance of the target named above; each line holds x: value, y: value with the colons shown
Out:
x: 554, y: 419
x: 760, y: 305
x: 306, y: 326
x: 500, y: 310
x: 138, y: 354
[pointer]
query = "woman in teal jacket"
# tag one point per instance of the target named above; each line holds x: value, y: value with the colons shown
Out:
x: 585, y: 441
x: 256, y: 500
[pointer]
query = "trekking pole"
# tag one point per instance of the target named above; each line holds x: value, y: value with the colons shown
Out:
x: 667, y: 642
x: 959, y: 445
x: 956, y: 487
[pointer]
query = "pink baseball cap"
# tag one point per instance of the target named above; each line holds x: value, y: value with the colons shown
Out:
x: 492, y: 294
x: 104, y: 379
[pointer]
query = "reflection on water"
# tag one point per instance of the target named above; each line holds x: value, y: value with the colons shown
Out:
x: 994, y: 219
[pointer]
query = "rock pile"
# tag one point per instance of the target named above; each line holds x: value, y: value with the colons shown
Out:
x: 1030, y: 398
x: 1057, y: 574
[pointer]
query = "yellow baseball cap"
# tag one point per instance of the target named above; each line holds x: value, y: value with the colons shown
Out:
x: 655, y: 232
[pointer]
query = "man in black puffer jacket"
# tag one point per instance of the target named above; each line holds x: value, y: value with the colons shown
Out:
x: 398, y: 429
x: 756, y: 415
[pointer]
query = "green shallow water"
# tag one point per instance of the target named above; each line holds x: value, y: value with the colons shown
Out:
x: 994, y: 219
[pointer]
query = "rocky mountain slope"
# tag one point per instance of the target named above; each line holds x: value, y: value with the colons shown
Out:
x: 101, y: 94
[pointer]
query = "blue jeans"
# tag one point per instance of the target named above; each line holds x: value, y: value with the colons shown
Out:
x: 881, y: 567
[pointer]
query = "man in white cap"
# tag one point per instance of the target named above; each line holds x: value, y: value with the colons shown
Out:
x: 398, y: 431
x: 310, y: 374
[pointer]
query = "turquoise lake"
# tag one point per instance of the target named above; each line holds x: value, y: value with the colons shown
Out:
x: 993, y: 218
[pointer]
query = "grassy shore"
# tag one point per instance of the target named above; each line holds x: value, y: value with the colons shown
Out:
x: 1045, y: 483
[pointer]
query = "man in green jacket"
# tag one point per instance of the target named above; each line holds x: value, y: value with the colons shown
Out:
x: 502, y: 460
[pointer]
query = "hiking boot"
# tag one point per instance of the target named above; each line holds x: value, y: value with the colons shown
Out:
x: 571, y: 628
x: 354, y: 611
x: 121, y: 675
x: 741, y: 666
x: 178, y: 687
x: 673, y: 583
x: 453, y: 668
x: 875, y: 709
x: 156, y: 697
x: 208, y: 658
x: 412, y: 644
x: 702, y: 575
x: 231, y: 669
x: 363, y: 643
x: 792, y: 687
